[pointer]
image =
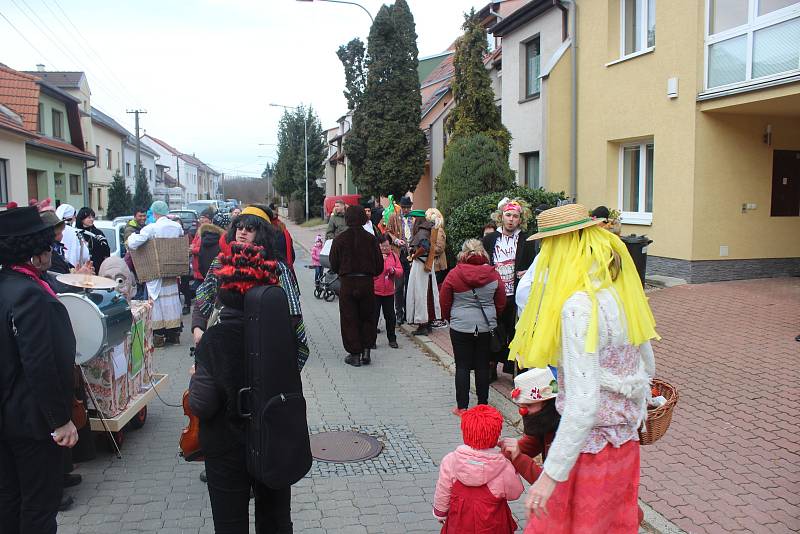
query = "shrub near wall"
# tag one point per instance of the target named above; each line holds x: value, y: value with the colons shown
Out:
x: 467, y: 220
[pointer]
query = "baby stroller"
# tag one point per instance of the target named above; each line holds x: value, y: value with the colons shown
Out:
x: 327, y: 287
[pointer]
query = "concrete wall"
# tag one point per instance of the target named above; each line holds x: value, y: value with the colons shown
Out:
x: 524, y: 118
x: 148, y: 163
x: 12, y: 149
x: 48, y: 105
x: 734, y: 167
x: 555, y: 160
x: 627, y: 101
x: 100, y: 176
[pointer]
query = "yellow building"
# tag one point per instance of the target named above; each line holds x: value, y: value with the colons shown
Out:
x: 688, y: 121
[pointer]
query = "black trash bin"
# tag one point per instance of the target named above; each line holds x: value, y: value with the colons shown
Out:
x: 637, y: 247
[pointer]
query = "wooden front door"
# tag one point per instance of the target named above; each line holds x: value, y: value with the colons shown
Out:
x: 785, y: 183
x: 33, y: 184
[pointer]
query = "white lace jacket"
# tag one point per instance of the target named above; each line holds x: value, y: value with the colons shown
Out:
x: 603, y: 396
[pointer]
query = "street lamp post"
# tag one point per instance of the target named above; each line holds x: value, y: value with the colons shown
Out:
x: 344, y: 2
x: 305, y: 143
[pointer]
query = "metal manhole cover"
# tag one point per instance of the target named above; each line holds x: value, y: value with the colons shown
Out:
x: 344, y: 447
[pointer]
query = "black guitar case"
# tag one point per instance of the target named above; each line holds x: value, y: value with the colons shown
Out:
x: 277, y: 442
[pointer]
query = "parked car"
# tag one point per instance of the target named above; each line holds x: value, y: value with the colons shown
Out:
x: 113, y: 231
x: 123, y: 219
x: 200, y: 205
x: 188, y: 219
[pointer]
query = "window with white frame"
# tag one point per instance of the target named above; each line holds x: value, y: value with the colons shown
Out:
x: 637, y: 26
x: 636, y: 182
x: 751, y: 40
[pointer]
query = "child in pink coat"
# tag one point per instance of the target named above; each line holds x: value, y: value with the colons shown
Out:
x: 384, y: 288
x: 315, y: 252
x: 476, y: 481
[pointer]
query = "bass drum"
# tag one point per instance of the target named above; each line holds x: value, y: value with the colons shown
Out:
x: 100, y: 319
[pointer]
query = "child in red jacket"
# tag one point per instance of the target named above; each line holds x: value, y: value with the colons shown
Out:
x: 476, y: 481
x: 384, y: 287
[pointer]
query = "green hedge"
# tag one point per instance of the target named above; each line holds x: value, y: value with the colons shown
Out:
x: 467, y: 220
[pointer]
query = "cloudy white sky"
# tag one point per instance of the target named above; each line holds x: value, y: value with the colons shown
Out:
x: 206, y: 70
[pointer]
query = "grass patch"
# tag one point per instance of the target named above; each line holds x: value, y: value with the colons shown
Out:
x: 316, y: 221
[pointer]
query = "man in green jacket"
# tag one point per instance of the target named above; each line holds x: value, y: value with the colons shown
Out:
x: 135, y: 224
x: 336, y: 224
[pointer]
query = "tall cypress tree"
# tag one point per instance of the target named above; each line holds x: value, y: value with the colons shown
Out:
x: 119, y: 198
x: 475, y: 110
x: 141, y: 195
x: 386, y: 146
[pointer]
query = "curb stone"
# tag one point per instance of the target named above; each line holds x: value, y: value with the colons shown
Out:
x: 653, y: 521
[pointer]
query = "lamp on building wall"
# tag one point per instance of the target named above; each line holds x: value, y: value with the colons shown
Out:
x: 768, y: 135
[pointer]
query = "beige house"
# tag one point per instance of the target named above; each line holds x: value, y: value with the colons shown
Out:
x: 687, y: 120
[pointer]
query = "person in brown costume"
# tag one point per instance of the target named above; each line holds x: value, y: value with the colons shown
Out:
x: 356, y: 257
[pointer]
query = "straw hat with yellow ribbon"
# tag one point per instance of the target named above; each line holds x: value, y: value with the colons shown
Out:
x: 561, y: 220
x: 569, y: 262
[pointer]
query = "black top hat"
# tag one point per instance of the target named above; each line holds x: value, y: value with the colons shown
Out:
x: 406, y: 202
x: 21, y: 221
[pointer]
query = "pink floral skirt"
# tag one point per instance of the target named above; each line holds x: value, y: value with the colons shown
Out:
x: 600, y: 496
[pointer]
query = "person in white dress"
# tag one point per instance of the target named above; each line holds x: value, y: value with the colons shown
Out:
x: 75, y: 250
x: 167, y: 324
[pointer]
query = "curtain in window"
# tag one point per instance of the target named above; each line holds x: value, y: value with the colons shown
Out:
x: 633, y: 35
x: 648, y: 179
x: 533, y: 57
x: 630, y: 178
x: 776, y: 49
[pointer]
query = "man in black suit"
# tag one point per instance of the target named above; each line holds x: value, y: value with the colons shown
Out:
x: 511, y: 254
x: 37, y: 354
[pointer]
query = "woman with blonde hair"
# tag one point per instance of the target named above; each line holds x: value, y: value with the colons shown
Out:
x: 588, y: 315
x: 472, y: 297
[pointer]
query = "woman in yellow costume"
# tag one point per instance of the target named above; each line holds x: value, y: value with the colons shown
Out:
x: 587, y: 314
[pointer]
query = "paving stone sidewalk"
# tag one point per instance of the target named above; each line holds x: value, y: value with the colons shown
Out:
x: 404, y: 398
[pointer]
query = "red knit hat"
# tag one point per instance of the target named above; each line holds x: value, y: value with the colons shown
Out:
x: 246, y: 267
x: 481, y: 427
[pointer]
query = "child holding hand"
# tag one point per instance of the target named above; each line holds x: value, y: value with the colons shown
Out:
x: 476, y: 481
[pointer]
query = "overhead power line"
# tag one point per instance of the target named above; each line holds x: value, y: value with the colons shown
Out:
x: 26, y: 40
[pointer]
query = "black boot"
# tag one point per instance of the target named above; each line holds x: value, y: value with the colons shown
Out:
x: 365, y: 357
x: 353, y: 359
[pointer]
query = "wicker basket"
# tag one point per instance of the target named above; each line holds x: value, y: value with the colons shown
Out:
x: 162, y: 257
x: 658, y: 419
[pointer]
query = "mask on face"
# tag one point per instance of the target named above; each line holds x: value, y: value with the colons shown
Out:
x: 116, y: 269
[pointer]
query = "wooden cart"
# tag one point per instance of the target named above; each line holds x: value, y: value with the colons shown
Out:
x: 134, y: 416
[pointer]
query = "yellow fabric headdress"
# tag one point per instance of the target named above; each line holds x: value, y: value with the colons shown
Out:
x: 572, y: 262
x: 258, y: 212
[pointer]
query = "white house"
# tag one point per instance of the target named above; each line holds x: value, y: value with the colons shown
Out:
x: 533, y: 37
x: 184, y: 172
x: 148, y: 158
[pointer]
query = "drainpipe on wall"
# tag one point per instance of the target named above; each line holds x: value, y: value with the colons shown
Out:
x: 85, y: 177
x: 573, y: 152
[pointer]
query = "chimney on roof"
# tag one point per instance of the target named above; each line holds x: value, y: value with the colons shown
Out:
x: 40, y: 67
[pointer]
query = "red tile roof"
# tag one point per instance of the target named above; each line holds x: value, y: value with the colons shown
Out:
x: 10, y: 122
x: 164, y: 144
x: 20, y: 93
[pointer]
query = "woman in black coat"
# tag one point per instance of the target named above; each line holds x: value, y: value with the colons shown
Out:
x: 95, y: 238
x: 36, y: 361
x: 213, y: 392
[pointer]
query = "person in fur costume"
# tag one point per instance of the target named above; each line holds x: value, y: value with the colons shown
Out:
x: 425, y: 250
x: 476, y: 481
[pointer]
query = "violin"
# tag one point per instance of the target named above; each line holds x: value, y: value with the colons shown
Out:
x: 190, y: 436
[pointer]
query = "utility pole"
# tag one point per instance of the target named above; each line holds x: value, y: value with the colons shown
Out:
x: 136, y: 113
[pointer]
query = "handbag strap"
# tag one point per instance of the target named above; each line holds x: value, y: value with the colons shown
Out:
x: 483, y: 312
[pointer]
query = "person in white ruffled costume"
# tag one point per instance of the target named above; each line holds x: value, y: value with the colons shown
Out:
x: 167, y: 324
x: 587, y: 314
